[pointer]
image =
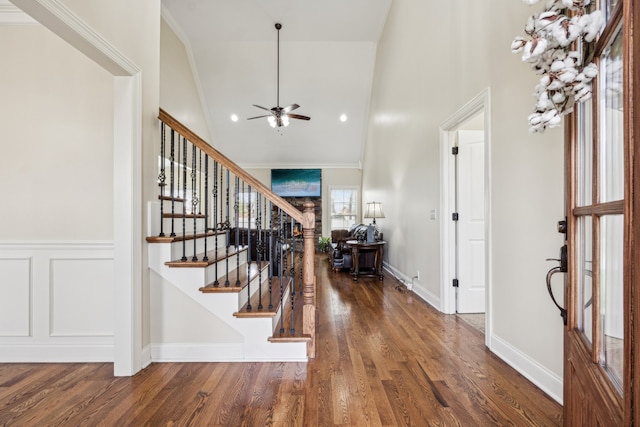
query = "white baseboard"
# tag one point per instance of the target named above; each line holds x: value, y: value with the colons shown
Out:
x: 419, y: 290
x: 546, y: 380
x: 50, y: 353
x: 145, y: 356
x: 197, y: 352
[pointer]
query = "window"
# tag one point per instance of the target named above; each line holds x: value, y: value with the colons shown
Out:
x: 344, y: 207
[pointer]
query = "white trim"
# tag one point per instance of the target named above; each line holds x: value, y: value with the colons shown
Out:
x: 543, y: 378
x: 225, y: 352
x: 127, y: 165
x: 428, y: 296
x: 197, y: 352
x: 42, y: 343
x: 56, y: 353
x: 11, y: 15
x: 301, y: 166
x: 480, y: 103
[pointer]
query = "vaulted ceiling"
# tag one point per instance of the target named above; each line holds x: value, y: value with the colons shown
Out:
x: 327, y: 59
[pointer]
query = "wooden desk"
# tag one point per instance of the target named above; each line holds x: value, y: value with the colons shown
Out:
x: 356, y: 248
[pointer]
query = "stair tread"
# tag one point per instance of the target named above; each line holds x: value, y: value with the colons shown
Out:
x: 222, y: 254
x: 169, y: 198
x: 265, y: 311
x: 233, y: 278
x: 179, y: 215
x: 180, y: 238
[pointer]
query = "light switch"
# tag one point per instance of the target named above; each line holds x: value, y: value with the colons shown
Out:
x: 433, y: 214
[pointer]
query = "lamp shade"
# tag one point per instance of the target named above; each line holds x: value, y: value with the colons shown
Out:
x: 374, y: 210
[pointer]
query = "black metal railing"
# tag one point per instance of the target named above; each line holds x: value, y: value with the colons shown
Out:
x: 233, y: 216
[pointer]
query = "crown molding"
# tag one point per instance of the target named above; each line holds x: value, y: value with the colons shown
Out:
x: 11, y: 15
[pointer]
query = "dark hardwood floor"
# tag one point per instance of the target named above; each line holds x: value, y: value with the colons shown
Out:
x: 384, y: 357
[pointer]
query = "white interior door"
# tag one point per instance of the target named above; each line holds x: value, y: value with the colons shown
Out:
x: 471, y: 222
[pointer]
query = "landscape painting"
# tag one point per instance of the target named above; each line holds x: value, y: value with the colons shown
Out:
x: 296, y: 182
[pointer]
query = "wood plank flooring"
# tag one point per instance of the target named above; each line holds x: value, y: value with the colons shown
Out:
x: 384, y: 358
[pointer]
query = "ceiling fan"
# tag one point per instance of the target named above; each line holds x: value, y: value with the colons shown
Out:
x: 279, y: 116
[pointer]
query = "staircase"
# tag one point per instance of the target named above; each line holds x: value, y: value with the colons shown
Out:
x: 225, y: 241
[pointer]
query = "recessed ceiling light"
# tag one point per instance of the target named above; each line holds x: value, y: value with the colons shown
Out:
x: 343, y: 118
x: 234, y: 118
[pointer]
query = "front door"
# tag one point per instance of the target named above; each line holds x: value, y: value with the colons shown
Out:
x: 599, y: 343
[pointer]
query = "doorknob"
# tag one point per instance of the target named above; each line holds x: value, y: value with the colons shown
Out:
x: 562, y: 268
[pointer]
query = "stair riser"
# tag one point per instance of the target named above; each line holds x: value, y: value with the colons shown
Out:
x: 177, y: 225
x: 210, y: 271
x: 243, y: 297
x: 194, y: 276
x: 176, y: 247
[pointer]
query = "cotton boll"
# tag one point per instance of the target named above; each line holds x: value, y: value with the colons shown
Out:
x: 548, y: 17
x: 533, y: 49
x: 590, y: 70
x: 556, y: 84
x: 518, y: 44
x: 530, y: 27
x: 558, y: 97
x: 551, y: 118
x: 554, y: 121
x: 530, y: 2
x: 557, y: 66
x: 568, y: 75
x: 567, y: 3
x: 594, y: 27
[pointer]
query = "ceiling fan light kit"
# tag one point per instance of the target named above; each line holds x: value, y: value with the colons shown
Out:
x: 279, y: 116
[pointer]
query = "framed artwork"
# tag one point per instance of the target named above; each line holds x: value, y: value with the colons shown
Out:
x: 296, y: 182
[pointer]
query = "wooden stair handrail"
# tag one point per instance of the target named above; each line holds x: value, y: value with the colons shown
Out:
x: 233, y: 167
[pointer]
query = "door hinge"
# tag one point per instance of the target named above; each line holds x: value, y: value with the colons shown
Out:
x: 454, y: 216
x: 455, y: 283
x: 454, y: 150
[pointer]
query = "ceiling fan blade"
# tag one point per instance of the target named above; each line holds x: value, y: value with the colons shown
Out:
x: 267, y: 109
x: 290, y: 108
x: 259, y: 117
x: 298, y: 116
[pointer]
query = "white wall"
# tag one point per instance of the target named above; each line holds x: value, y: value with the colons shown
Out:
x: 432, y: 59
x: 179, y: 95
x: 133, y: 28
x: 57, y: 156
x: 56, y: 247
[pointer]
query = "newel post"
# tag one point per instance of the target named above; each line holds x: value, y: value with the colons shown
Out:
x: 309, y: 277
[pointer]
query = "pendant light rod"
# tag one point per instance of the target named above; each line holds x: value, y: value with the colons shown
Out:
x: 278, y: 27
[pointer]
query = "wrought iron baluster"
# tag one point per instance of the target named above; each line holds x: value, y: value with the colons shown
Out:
x: 172, y: 179
x: 281, y: 265
x: 228, y: 228
x: 248, y: 209
x: 200, y: 179
x: 206, y: 204
x: 292, y: 277
x: 236, y: 209
x: 184, y: 197
x: 270, y: 255
x: 194, y: 201
x: 162, y: 176
x: 216, y: 282
x: 259, y: 246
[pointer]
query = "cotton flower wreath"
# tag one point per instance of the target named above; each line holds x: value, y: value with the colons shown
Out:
x: 565, y: 79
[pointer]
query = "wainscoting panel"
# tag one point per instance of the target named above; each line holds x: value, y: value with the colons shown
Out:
x: 82, y: 296
x: 15, y: 297
x: 56, y: 301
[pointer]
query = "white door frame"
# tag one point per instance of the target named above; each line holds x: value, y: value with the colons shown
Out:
x: 127, y: 149
x: 481, y: 103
